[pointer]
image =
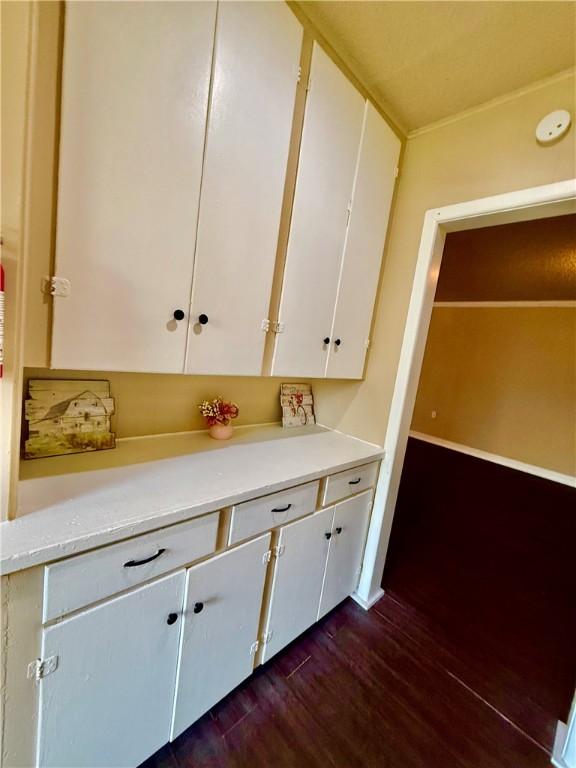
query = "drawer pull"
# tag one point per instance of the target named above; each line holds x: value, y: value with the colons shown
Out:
x: 282, y: 509
x: 354, y: 482
x: 172, y: 618
x: 198, y: 607
x: 328, y: 535
x: 339, y: 530
x: 135, y: 563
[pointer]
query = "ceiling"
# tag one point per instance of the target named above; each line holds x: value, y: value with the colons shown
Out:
x: 425, y: 61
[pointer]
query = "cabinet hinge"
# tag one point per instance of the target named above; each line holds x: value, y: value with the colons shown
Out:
x: 396, y: 172
x: 279, y: 550
x: 265, y: 325
x: 299, y: 76
x: 56, y: 286
x: 267, y: 637
x: 267, y: 556
x: 277, y: 327
x: 367, y: 344
x: 40, y: 668
x: 254, y: 647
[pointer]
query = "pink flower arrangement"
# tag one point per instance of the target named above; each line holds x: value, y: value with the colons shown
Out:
x: 218, y: 411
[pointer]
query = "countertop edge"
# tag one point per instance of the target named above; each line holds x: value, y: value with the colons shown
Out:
x: 124, y: 529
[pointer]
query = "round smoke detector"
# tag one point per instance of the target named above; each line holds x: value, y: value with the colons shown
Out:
x: 553, y: 126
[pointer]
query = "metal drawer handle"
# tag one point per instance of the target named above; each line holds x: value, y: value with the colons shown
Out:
x: 282, y: 509
x: 134, y: 563
x: 354, y: 482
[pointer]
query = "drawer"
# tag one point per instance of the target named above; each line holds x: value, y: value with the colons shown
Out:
x: 252, y: 517
x: 78, y: 581
x: 349, y: 482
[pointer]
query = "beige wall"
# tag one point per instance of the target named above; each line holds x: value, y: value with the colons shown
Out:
x: 151, y: 404
x: 502, y: 380
x: 487, y: 152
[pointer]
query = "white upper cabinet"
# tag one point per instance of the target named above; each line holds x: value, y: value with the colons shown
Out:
x: 328, y: 156
x: 176, y: 123
x: 257, y: 53
x: 134, y: 101
x: 372, y: 197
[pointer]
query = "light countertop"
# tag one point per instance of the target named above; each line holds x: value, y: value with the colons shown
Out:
x: 148, y: 483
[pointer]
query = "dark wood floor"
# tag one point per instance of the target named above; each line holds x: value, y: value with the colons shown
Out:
x: 481, y: 558
x: 360, y: 689
x: 467, y: 662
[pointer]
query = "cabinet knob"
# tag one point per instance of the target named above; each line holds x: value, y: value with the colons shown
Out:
x: 339, y: 530
x: 328, y: 535
x: 198, y: 607
x: 327, y: 340
x: 202, y: 319
x: 338, y: 342
x: 178, y: 314
x: 172, y: 618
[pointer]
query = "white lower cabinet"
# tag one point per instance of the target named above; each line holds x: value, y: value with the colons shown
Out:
x: 120, y: 679
x: 220, y: 626
x: 297, y: 580
x: 109, y: 700
x: 346, y: 549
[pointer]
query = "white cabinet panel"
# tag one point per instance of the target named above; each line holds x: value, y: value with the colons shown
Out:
x: 251, y: 517
x: 349, y: 482
x: 346, y: 549
x: 78, y: 581
x: 257, y: 53
x: 109, y: 701
x: 297, y: 580
x: 134, y: 102
x: 221, y: 616
x: 373, y: 189
x: 329, y: 148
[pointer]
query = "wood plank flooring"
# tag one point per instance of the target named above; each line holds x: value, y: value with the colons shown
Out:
x: 358, y: 690
x: 481, y: 559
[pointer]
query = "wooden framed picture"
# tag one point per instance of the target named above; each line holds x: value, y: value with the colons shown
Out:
x: 297, y: 405
x: 67, y: 417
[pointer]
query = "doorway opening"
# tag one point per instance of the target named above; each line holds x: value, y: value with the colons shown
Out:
x: 480, y: 561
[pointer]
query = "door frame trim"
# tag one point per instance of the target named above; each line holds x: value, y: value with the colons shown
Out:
x: 544, y: 201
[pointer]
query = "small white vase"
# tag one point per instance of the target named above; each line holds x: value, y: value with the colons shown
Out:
x: 221, y: 431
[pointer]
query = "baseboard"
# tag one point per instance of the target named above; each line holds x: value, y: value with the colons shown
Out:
x: 367, y: 604
x: 559, y: 739
x: 521, y: 466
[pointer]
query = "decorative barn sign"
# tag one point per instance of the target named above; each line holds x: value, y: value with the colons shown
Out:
x: 67, y: 417
x: 297, y: 405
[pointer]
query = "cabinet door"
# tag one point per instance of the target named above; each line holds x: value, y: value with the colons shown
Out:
x: 134, y: 102
x: 346, y: 550
x: 373, y: 188
x: 328, y: 152
x: 256, y: 60
x: 220, y: 624
x: 297, y: 580
x: 109, y: 701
